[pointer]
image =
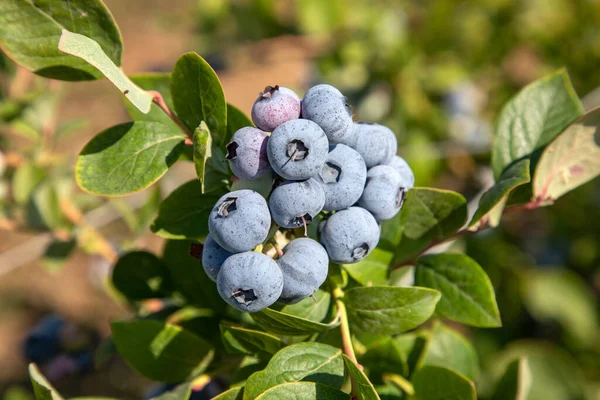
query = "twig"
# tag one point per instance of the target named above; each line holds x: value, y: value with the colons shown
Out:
x: 338, y: 293
x: 158, y: 99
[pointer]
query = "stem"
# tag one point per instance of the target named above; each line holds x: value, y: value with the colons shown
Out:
x: 401, y: 382
x: 338, y: 293
x: 466, y: 232
x: 158, y: 99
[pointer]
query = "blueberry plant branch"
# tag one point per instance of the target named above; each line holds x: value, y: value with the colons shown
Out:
x: 348, y: 349
x: 158, y: 99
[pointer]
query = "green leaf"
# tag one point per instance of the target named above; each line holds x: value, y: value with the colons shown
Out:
x: 57, y: 253
x: 26, y: 178
x: 437, y: 383
x: 45, y: 207
x: 373, y: 270
x: 533, y: 118
x: 160, y: 82
x: 30, y: 32
x: 179, y: 392
x: 231, y: 394
x: 492, y: 202
x: 262, y: 185
x: 314, y: 362
x: 140, y: 275
x: 236, y: 119
x: 184, y: 213
x: 87, y: 49
x: 290, y: 325
x: 127, y: 158
x: 515, y: 383
x: 555, y: 374
x: 385, y: 355
x: 188, y: 276
x: 571, y: 160
x: 575, y: 308
x: 161, y: 351
x: 42, y: 389
x: 448, y: 348
x: 387, y: 310
x: 198, y: 95
x: 429, y: 215
x: 303, y: 390
x: 202, y: 151
x: 312, y: 309
x: 238, y: 340
x: 467, y: 293
x: 364, y: 388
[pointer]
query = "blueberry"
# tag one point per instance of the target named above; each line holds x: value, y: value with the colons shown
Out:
x: 350, y: 235
x: 384, y: 192
x: 42, y: 343
x: 400, y: 165
x: 304, y: 266
x: 274, y: 106
x: 297, y: 149
x: 342, y: 177
x: 240, y: 221
x: 247, y: 153
x: 328, y: 107
x: 294, y: 203
x: 376, y: 143
x: 250, y: 281
x: 213, y: 256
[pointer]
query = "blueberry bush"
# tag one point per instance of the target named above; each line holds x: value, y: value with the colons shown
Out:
x: 303, y: 262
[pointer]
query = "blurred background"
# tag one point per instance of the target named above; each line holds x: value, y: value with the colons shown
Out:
x: 435, y: 71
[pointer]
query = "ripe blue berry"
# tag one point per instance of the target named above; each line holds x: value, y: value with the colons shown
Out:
x: 250, y: 281
x: 342, y: 177
x: 294, y: 203
x: 400, y: 165
x: 376, y: 143
x: 297, y: 149
x: 239, y: 221
x: 247, y: 153
x: 350, y: 235
x: 328, y: 107
x: 43, y: 341
x: 213, y: 257
x: 304, y: 266
x: 274, y: 106
x: 384, y: 192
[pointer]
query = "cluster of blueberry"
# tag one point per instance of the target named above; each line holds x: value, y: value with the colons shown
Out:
x: 328, y: 163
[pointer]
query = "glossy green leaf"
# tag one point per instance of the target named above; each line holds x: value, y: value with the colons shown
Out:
x: 387, y: 310
x: 563, y: 296
x: 188, y: 276
x: 429, y: 215
x: 447, y: 348
x: 364, y: 388
x: 179, y: 392
x: 303, y: 390
x: 127, y: 158
x: 161, y: 351
x: 533, y: 118
x: 515, y: 383
x: 140, y: 275
x: 160, y: 82
x: 373, y: 270
x: 438, y: 383
x: 384, y: 355
x: 313, y: 362
x: 42, y: 389
x: 44, y: 207
x: 290, y: 325
x: 26, y: 178
x: 236, y: 119
x: 555, y: 374
x: 30, y: 31
x: 231, y: 394
x: 89, y: 50
x: 202, y: 151
x: 571, y: 160
x: 492, y: 202
x: 238, y: 340
x: 262, y: 185
x: 198, y: 95
x: 312, y: 309
x: 184, y: 213
x: 467, y: 293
